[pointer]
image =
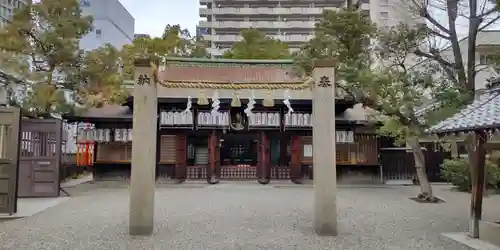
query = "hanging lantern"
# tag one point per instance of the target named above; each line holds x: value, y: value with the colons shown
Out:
x: 236, y: 101
x: 202, y: 99
x: 268, y: 101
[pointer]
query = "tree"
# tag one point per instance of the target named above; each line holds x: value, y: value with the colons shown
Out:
x: 377, y: 76
x: 256, y: 45
x: 46, y: 34
x: 175, y: 42
x: 461, y: 67
x: 100, y: 77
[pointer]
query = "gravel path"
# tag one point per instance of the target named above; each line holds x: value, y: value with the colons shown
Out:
x: 246, y: 216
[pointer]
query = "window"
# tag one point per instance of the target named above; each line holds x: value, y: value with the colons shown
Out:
x: 384, y: 15
x: 384, y: 2
x: 488, y: 59
x: 85, y: 3
x: 98, y: 33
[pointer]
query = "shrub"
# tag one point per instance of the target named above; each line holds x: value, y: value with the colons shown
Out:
x: 457, y: 172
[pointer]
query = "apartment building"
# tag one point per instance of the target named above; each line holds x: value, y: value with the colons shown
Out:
x: 113, y: 24
x: 7, y: 8
x: 290, y: 21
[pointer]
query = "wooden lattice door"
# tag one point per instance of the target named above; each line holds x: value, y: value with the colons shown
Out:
x: 40, y: 158
x: 9, y: 158
x: 168, y: 149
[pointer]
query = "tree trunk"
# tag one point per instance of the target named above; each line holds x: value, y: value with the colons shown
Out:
x: 425, y: 185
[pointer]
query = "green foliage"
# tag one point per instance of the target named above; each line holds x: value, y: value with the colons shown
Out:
x: 43, y: 38
x: 457, y: 172
x: 48, y: 32
x: 343, y: 35
x: 256, y: 45
x: 100, y: 78
x: 44, y: 98
x: 175, y: 42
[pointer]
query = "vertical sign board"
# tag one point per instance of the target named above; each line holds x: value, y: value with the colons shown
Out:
x: 325, y: 173
x: 10, y: 121
x: 144, y: 129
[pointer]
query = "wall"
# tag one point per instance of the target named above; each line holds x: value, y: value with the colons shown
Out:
x: 112, y: 20
x: 109, y: 34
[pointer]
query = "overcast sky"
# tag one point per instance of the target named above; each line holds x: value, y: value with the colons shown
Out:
x: 151, y: 16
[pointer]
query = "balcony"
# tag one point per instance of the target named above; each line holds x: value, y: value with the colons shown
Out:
x: 259, y: 24
x: 268, y: 11
x: 262, y: 11
x: 235, y: 38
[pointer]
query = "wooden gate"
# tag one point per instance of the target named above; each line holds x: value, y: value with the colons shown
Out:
x: 9, y: 158
x: 40, y: 158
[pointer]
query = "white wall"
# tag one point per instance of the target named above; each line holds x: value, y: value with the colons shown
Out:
x: 115, y: 23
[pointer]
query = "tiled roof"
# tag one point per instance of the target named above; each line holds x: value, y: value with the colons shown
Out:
x: 483, y: 113
x: 229, y: 71
x: 106, y: 111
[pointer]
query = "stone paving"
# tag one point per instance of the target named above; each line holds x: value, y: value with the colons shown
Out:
x: 246, y: 216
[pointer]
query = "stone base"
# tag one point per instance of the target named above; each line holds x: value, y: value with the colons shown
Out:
x: 213, y: 180
x: 263, y: 181
x: 325, y: 231
x: 490, y: 232
x: 141, y: 230
x: 471, y: 243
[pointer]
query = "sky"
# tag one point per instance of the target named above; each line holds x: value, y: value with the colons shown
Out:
x: 151, y: 16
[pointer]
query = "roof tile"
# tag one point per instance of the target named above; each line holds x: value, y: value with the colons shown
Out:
x: 229, y: 73
x: 482, y: 113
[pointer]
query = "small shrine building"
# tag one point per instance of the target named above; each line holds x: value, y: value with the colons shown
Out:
x: 229, y: 119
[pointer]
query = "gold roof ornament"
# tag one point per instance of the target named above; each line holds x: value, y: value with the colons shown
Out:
x: 268, y: 101
x: 202, y: 99
x: 235, y: 102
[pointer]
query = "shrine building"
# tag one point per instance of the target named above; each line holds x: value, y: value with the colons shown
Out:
x: 221, y: 119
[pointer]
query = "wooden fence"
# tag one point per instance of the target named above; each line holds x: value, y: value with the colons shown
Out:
x: 399, y: 164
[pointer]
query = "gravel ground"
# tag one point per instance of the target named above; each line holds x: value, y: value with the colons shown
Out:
x: 246, y: 216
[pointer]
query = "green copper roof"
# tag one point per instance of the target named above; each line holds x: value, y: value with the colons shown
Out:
x: 229, y: 61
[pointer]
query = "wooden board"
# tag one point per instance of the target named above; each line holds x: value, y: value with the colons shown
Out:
x: 168, y: 149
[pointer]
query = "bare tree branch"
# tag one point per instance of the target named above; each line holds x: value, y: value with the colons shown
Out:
x: 489, y: 23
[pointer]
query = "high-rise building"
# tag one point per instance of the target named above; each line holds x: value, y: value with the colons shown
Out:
x: 290, y: 21
x: 113, y: 24
x: 7, y: 8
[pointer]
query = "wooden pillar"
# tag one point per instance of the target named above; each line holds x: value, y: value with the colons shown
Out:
x: 181, y: 158
x: 478, y: 167
x: 213, y: 171
x: 324, y: 159
x: 142, y: 183
x: 295, y: 166
x: 264, y: 171
x: 284, y: 140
